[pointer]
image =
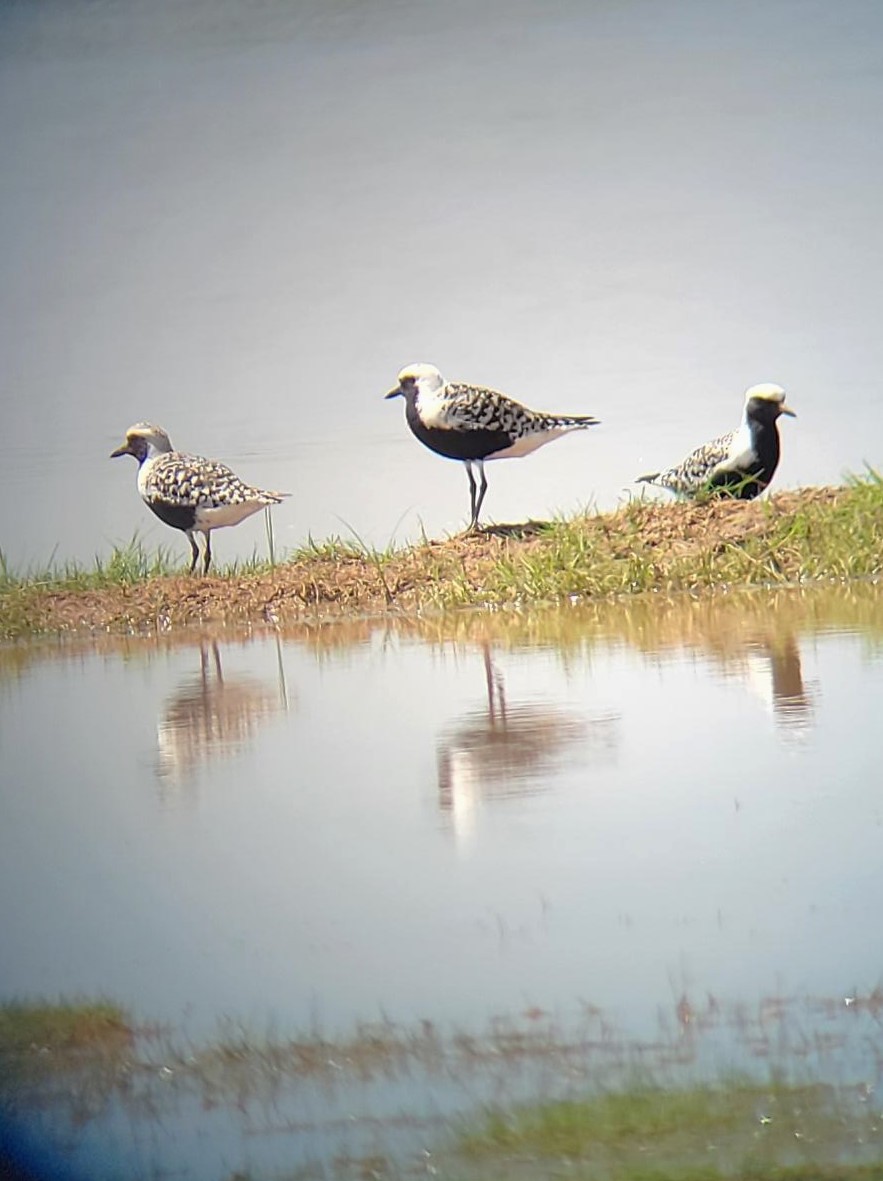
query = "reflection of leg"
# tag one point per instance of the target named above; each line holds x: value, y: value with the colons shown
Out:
x: 194, y: 549
x: 283, y: 687
x: 501, y: 694
x: 489, y: 681
x: 217, y: 655
x: 494, y: 683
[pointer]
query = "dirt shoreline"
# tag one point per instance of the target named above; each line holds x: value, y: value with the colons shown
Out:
x: 670, y: 534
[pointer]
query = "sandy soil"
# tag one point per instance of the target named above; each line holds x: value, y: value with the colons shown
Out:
x: 356, y: 585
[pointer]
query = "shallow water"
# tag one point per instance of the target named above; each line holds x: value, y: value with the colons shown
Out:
x: 601, y: 809
x: 241, y: 221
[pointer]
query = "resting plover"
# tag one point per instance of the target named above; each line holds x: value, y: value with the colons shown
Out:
x: 472, y: 424
x: 188, y: 492
x: 742, y: 462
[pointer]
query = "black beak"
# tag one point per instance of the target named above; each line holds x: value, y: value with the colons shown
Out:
x: 124, y: 450
x: 396, y: 393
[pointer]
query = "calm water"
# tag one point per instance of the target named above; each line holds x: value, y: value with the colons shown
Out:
x: 242, y: 220
x: 594, y: 809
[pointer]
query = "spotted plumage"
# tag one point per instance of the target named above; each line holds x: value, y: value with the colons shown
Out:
x: 740, y: 463
x: 473, y: 424
x: 189, y: 492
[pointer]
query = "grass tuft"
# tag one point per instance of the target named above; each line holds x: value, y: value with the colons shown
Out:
x: 61, y: 1026
x: 738, y: 1131
x: 645, y: 546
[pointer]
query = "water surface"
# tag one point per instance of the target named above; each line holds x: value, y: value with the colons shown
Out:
x: 613, y: 809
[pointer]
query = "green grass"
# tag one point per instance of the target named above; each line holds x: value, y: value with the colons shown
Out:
x: 642, y: 547
x: 750, y: 1132
x: 570, y: 1129
x: 617, y: 554
x: 80, y: 1056
x: 126, y: 564
x: 132, y: 563
x: 61, y: 1027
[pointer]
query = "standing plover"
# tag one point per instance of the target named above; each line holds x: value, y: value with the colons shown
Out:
x: 742, y: 462
x: 472, y: 424
x: 188, y: 492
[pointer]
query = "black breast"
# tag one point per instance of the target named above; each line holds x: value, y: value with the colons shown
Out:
x: 744, y: 483
x: 179, y: 516
x: 454, y: 444
x: 749, y: 481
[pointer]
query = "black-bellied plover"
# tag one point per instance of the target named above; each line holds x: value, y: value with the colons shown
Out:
x: 472, y: 424
x: 188, y: 492
x: 741, y: 463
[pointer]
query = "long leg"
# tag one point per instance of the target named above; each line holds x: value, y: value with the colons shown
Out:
x: 481, y: 491
x: 207, y: 561
x: 194, y: 550
x: 473, y: 518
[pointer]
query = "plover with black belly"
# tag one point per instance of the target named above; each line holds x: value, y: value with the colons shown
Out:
x: 473, y: 424
x: 188, y: 492
x: 741, y: 463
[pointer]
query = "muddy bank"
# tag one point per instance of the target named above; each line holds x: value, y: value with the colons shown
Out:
x: 643, y: 546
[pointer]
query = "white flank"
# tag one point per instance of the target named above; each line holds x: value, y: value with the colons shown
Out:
x: 528, y: 443
x: 741, y: 453
x: 224, y: 514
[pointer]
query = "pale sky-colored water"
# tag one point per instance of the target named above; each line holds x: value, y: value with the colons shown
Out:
x: 330, y: 827
x: 584, y: 814
x: 241, y: 221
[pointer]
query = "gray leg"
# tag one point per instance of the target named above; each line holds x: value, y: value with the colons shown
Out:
x: 194, y: 550
x: 473, y: 516
x: 208, y: 551
x: 481, y: 491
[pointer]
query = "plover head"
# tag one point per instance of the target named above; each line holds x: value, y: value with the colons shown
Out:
x: 767, y: 400
x: 144, y: 440
x: 418, y: 379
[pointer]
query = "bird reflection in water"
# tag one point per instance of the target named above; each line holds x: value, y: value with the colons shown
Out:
x: 211, y: 716
x: 503, y: 751
x: 753, y: 638
x: 776, y: 675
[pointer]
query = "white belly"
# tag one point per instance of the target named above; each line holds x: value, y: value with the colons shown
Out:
x: 528, y: 443
x: 224, y: 514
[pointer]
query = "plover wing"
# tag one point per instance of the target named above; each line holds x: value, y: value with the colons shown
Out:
x: 201, y: 483
x: 468, y: 407
x: 699, y: 466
